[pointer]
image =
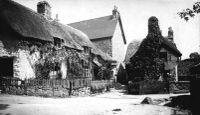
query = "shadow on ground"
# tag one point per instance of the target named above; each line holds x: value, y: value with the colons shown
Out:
x: 3, y: 106
x: 181, y: 102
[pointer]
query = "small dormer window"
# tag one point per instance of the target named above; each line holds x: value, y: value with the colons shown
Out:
x: 86, y: 50
x: 58, y: 42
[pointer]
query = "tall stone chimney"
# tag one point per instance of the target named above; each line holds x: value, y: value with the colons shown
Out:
x: 44, y: 8
x: 115, y: 13
x: 170, y: 34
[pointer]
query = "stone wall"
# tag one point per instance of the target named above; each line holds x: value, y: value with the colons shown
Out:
x: 180, y: 87
x: 57, y: 92
x: 22, y: 65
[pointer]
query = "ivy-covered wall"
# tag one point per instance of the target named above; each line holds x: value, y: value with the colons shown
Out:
x: 33, y: 59
x: 146, y: 64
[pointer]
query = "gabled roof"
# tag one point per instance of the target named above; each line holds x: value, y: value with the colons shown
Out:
x: 132, y: 49
x: 24, y: 20
x: 171, y: 45
x: 32, y: 25
x: 99, y: 27
x: 134, y: 46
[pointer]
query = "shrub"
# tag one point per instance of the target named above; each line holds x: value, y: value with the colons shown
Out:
x: 100, y: 87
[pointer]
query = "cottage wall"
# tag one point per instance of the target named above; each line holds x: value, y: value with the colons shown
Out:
x: 118, y: 46
x: 22, y: 64
x: 105, y: 44
x: 171, y: 63
x: 63, y: 69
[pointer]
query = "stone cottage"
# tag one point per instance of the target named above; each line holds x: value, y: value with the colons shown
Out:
x: 107, y: 34
x: 167, y: 53
x: 30, y: 41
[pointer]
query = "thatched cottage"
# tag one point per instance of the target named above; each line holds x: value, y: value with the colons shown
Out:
x: 164, y: 49
x: 32, y: 45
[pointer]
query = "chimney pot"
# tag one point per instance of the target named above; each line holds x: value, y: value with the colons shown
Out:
x: 56, y: 19
x: 115, y: 13
x: 170, y: 34
x: 44, y: 8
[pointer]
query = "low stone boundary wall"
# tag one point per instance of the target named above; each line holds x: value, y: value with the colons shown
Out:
x: 101, y: 86
x: 180, y: 87
x: 147, y: 87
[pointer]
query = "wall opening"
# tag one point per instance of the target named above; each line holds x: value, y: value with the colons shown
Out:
x: 6, y: 66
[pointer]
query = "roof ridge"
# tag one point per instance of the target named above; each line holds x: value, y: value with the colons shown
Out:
x: 31, y: 10
x: 89, y: 19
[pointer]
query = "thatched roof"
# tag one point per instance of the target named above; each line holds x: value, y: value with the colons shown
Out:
x: 83, y: 40
x: 170, y: 45
x: 32, y: 25
x: 132, y: 49
x: 134, y: 46
x: 25, y: 21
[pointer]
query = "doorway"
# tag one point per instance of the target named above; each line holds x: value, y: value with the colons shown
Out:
x: 6, y: 66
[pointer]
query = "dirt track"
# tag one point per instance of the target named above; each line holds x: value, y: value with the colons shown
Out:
x: 103, y: 104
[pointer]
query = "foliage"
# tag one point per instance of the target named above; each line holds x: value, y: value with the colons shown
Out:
x: 51, y: 57
x: 185, y: 65
x: 187, y: 13
x: 194, y: 55
x: 43, y: 69
x: 146, y: 64
x: 121, y: 75
x: 105, y: 72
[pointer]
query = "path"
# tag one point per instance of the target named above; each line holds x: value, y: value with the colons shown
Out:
x: 110, y: 103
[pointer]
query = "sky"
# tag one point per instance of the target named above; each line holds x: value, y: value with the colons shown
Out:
x: 135, y: 15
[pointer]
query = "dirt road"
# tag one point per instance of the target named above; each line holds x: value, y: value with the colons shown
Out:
x: 110, y: 103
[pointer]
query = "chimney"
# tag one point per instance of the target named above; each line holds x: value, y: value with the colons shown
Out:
x: 170, y: 34
x: 44, y: 8
x: 56, y: 19
x: 115, y: 13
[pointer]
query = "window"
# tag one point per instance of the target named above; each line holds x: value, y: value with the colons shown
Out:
x: 85, y: 64
x: 170, y: 58
x: 58, y: 42
x: 163, y: 55
x: 86, y: 50
x: 86, y: 72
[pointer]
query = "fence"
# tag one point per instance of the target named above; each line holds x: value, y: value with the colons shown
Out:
x: 51, y: 87
x: 64, y: 83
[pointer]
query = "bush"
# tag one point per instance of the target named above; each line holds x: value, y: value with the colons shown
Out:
x: 99, y: 88
x: 19, y: 91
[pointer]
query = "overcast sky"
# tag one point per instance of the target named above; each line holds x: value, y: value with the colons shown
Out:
x: 134, y: 14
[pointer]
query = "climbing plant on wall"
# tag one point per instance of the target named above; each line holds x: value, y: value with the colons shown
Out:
x: 146, y: 64
x: 50, y: 59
